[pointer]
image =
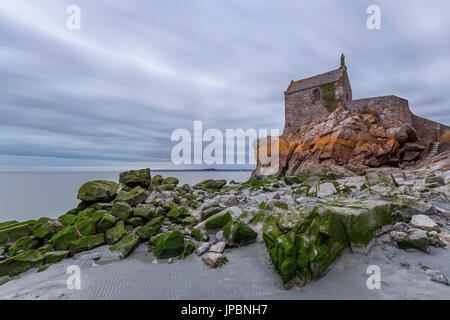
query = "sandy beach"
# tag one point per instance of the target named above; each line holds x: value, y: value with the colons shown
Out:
x: 248, y: 275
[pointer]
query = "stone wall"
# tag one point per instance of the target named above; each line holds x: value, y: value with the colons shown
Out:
x: 428, y: 130
x: 392, y: 110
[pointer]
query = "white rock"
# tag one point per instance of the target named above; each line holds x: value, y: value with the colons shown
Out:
x: 421, y: 221
x: 212, y: 258
x: 218, y: 247
x: 326, y: 189
x: 219, y: 235
x: 203, y: 248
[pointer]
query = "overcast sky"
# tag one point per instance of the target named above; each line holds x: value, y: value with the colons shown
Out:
x: 109, y: 95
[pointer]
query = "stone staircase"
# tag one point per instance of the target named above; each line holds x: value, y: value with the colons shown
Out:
x: 433, y: 150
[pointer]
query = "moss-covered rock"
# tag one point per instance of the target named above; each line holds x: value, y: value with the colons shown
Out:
x: 61, y: 240
x: 21, y: 245
x: 136, y: 221
x: 177, y: 214
x: 126, y: 246
x: 106, y: 222
x: 116, y: 233
x: 55, y: 256
x: 86, y: 226
x: 134, y: 178
x: 218, y: 220
x: 188, y: 249
x: 134, y: 197
x: 21, y: 263
x: 98, y: 191
x: 45, y: 230
x: 317, y: 237
x: 86, y: 243
x: 67, y: 219
x: 150, y: 229
x: 238, y: 234
x: 210, y: 185
x: 13, y: 231
x: 144, y: 210
x: 415, y: 240
x: 156, y: 181
x: 168, y: 245
x: 121, y: 210
x: 200, y: 235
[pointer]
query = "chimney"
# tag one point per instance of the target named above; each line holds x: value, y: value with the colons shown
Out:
x: 343, y: 61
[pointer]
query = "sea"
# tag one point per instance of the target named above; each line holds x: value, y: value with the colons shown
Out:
x: 31, y: 195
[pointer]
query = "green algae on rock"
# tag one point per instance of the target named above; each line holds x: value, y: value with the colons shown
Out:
x: 133, y: 197
x: 238, y: 234
x: 168, y: 245
x: 55, y: 256
x: 135, y: 178
x: 320, y: 235
x: 98, y: 190
x: 13, y: 231
x: 86, y: 243
x: 150, y: 229
x: 21, y: 245
x: 21, y: 263
x: 218, y: 220
x: 121, y: 210
x: 116, y: 232
x: 210, y: 184
x: 61, y: 240
x: 126, y: 245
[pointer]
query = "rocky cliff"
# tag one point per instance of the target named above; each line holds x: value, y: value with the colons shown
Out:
x: 345, y: 142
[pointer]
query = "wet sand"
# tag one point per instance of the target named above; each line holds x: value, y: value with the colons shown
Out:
x: 247, y: 275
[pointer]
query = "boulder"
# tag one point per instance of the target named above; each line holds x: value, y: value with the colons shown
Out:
x: 202, y: 248
x: 134, y: 197
x: 62, y: 239
x: 303, y: 244
x: 55, y: 256
x: 213, y: 259
x: 98, y: 191
x: 168, y: 245
x: 434, y: 181
x: 218, y: 247
x: 437, y: 276
x: 21, y: 263
x: 238, y: 234
x: 200, y: 235
x: 177, y: 214
x: 121, y: 210
x: 13, y: 231
x: 188, y: 249
x: 326, y: 189
x: 86, y: 243
x: 67, y: 219
x: 47, y: 229
x: 421, y: 221
x: 135, y: 178
x: 417, y: 239
x: 116, y: 233
x: 126, y: 246
x: 210, y: 184
x: 150, y: 229
x: 23, y: 244
x: 146, y: 211
x: 85, y: 226
x: 106, y: 222
x: 218, y: 220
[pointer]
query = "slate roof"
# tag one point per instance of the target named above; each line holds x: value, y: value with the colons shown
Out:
x: 320, y: 79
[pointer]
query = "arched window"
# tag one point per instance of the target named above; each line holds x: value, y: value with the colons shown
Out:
x: 316, y: 95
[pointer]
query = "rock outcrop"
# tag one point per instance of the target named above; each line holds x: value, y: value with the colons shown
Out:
x: 344, y: 143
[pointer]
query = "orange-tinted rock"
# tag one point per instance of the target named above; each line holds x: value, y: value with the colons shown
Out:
x: 343, y: 139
